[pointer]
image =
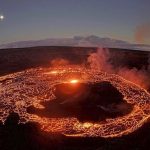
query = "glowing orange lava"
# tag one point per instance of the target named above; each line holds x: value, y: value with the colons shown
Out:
x: 52, y: 72
x: 31, y: 87
x: 74, y: 81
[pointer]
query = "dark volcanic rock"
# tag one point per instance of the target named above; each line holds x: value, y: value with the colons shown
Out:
x: 85, y: 101
x: 12, y: 120
x: 102, y: 93
x: 29, y: 137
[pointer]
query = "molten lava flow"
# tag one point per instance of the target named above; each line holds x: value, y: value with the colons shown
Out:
x: 74, y: 81
x: 87, y: 125
x: 20, y: 90
x: 54, y: 72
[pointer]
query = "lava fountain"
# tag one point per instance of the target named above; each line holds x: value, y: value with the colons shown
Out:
x: 74, y: 81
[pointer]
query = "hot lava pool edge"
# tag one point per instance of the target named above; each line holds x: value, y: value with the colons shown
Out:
x: 33, y: 86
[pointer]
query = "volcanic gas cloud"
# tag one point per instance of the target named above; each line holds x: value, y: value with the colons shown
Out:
x: 101, y: 60
x: 142, y: 33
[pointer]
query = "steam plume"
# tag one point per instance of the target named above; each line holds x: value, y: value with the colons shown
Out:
x: 101, y: 60
x: 59, y: 62
x: 142, y: 33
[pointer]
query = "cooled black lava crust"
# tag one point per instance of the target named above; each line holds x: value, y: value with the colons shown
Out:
x: 85, y: 101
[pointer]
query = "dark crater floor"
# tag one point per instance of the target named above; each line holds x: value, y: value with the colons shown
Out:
x: 85, y: 101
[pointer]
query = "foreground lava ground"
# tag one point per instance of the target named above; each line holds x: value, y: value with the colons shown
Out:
x: 20, y: 90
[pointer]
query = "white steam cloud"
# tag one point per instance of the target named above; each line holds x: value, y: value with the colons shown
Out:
x: 101, y: 61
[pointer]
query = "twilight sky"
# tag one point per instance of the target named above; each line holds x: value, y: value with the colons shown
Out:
x: 40, y: 19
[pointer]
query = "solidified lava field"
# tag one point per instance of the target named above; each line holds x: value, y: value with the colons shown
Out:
x: 32, y: 87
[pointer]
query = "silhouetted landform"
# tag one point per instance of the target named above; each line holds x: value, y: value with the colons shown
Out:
x: 85, y: 101
x: 18, y: 59
x: 14, y: 136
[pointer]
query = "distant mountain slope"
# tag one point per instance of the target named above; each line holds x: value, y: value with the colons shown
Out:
x: 89, y: 41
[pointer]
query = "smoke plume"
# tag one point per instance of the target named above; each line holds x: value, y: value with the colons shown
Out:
x: 101, y: 60
x: 59, y: 62
x: 142, y: 33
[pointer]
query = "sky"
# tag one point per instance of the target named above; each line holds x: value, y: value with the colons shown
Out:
x: 42, y: 19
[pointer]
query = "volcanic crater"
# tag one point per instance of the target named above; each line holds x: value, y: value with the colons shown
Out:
x: 92, y: 102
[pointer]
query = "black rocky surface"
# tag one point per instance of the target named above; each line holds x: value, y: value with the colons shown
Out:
x: 14, y: 136
x: 85, y: 101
